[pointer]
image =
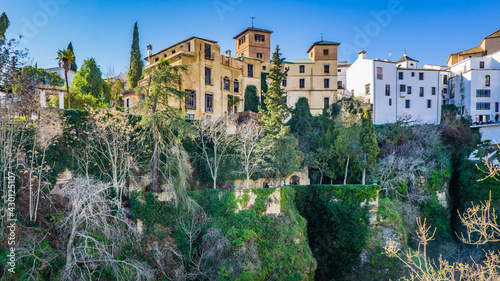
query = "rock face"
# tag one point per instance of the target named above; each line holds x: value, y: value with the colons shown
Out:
x: 273, y: 202
x: 50, y: 125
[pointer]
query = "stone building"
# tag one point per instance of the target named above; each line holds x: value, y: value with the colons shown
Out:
x: 217, y: 81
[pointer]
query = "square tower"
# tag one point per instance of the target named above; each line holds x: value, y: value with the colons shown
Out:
x: 255, y: 43
x: 323, y: 50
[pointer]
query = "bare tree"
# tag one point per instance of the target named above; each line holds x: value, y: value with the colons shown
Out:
x: 214, y: 141
x: 109, y: 137
x: 91, y: 216
x: 480, y: 222
x: 247, y: 141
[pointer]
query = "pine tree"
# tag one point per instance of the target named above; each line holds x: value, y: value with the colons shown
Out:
x: 251, y: 99
x: 136, y: 64
x: 275, y: 98
x: 88, y: 80
x: 73, y: 67
x: 368, y: 144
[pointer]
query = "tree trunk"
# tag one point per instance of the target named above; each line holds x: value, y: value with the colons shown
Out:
x: 67, y: 88
x: 364, y: 176
x: 321, y: 179
x: 248, y: 179
x: 346, y: 167
x: 155, y: 163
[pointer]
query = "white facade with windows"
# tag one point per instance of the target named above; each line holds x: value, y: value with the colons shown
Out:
x: 399, y: 89
x: 475, y: 88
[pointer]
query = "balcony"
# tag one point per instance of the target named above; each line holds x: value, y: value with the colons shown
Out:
x: 210, y: 56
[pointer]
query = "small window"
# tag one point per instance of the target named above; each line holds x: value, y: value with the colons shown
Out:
x: 401, y: 75
x: 390, y: 102
x: 326, y: 83
x: 429, y: 103
x: 487, y: 81
x: 302, y: 83
x: 445, y: 79
x: 339, y: 70
x: 413, y: 74
x: 208, y: 51
x: 387, y: 90
x: 236, y: 86
x: 481, y: 64
x: 339, y: 85
x: 208, y: 76
x: 421, y: 93
x: 209, y: 103
x: 325, y: 52
x: 190, y: 116
x: 227, y: 84
x: 496, y: 106
x: 260, y: 55
x: 302, y: 68
x: 407, y: 103
x: 263, y: 67
x: 157, y: 59
x: 380, y: 75
x: 483, y: 93
x: 421, y: 76
x: 127, y: 103
x: 327, y: 103
x: 326, y: 68
x: 367, y: 89
x: 482, y: 106
x: 433, y: 91
x: 191, y: 99
x: 402, y: 88
x: 283, y: 83
x: 250, y: 70
x: 409, y: 90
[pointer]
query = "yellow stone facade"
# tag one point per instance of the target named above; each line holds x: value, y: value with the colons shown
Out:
x: 217, y: 81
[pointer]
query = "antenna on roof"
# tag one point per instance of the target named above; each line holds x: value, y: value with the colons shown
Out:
x: 252, y: 17
x: 405, y: 50
x: 322, y: 36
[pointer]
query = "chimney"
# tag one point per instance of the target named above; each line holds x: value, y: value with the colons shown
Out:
x: 362, y: 55
x: 228, y: 53
x: 150, y: 50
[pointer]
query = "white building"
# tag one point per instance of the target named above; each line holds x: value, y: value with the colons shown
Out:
x: 398, y: 90
x: 342, y: 66
x: 60, y: 71
x: 475, y: 88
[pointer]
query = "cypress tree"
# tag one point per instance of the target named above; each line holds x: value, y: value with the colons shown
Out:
x: 251, y: 99
x: 4, y: 24
x: 73, y: 67
x: 368, y: 143
x: 136, y: 63
x: 280, y: 146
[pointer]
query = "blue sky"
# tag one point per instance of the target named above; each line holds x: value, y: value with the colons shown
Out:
x: 428, y: 30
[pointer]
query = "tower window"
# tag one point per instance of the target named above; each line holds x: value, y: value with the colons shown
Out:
x: 260, y: 38
x: 327, y: 83
x: 487, y: 81
x: 429, y: 103
x: 260, y: 55
x: 302, y: 68
x: 325, y: 52
x: 302, y: 83
x: 326, y: 68
x: 407, y: 103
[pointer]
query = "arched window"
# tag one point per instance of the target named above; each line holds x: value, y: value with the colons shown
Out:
x: 487, y: 80
x: 236, y: 86
x: 227, y: 84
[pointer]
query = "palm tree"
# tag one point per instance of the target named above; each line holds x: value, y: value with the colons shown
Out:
x: 66, y: 57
